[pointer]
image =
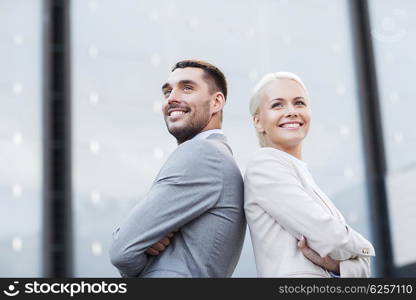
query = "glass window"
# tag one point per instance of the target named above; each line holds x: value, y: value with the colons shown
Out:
x: 393, y: 30
x: 20, y: 138
x: 122, y: 53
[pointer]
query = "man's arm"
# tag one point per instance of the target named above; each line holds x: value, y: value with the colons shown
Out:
x: 189, y: 185
x: 160, y: 246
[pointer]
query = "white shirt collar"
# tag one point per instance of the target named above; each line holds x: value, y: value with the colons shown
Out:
x: 207, y: 133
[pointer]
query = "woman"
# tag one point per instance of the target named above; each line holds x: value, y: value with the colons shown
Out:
x: 295, y: 229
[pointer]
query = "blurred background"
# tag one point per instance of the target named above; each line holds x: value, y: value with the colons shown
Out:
x: 82, y: 135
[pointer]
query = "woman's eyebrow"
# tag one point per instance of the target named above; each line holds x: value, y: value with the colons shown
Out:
x: 277, y: 99
x: 298, y: 98
x: 282, y: 99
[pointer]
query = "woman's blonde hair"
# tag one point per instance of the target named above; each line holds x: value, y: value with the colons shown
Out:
x: 257, y: 94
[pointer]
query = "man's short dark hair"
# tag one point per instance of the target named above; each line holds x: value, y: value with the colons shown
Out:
x: 217, y: 83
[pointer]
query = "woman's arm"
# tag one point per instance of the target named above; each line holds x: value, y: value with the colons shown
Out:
x: 274, y: 185
x: 353, y: 267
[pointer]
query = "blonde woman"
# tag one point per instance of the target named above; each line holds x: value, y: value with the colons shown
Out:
x: 295, y: 229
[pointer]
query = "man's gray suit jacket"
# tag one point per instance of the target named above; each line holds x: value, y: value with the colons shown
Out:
x: 198, y: 193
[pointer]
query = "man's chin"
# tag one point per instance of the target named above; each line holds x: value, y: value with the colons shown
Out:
x: 182, y: 133
x: 175, y: 128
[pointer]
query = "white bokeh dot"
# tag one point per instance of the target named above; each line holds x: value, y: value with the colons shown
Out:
x: 17, y: 244
x: 95, y: 146
x: 390, y: 58
x: 344, y: 131
x: 398, y: 137
x: 251, y: 32
x: 253, y: 76
x: 287, y: 39
x: 336, y: 47
x: 95, y: 197
x: 92, y: 51
x: 17, y: 88
x: 17, y: 190
x: 388, y: 24
x: 348, y: 173
x: 394, y: 97
x: 155, y: 60
x: 93, y: 4
x: 157, y: 106
x: 158, y: 153
x: 171, y: 9
x: 340, y: 89
x: 154, y: 16
x: 194, y: 23
x: 17, y: 138
x: 96, y: 248
x: 94, y: 98
x: 18, y: 39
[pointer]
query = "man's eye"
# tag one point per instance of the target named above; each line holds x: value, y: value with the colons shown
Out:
x: 167, y: 92
x: 187, y: 88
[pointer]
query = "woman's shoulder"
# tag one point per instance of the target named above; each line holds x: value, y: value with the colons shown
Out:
x: 267, y: 153
x: 268, y: 158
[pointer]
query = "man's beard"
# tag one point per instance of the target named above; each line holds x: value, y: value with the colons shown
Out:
x: 194, y: 126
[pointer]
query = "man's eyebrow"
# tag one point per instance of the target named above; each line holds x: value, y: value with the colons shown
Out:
x: 187, y: 81
x: 181, y: 82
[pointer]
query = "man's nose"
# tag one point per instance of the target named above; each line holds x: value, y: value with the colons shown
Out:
x: 173, y: 97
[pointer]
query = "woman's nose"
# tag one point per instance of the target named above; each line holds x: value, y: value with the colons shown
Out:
x: 291, y: 112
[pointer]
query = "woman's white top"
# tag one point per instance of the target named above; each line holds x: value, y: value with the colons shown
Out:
x: 282, y: 204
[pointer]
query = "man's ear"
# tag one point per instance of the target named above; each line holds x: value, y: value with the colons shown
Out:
x: 257, y: 124
x: 218, y: 102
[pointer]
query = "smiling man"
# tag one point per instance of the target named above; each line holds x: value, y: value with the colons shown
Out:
x: 191, y: 223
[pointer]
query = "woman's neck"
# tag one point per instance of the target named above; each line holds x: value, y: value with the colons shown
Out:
x: 295, y: 151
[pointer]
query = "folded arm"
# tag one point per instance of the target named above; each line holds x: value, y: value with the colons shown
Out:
x: 274, y: 184
x: 188, y: 187
x: 353, y: 267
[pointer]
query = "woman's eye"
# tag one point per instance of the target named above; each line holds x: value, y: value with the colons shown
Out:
x: 300, y: 103
x: 277, y: 105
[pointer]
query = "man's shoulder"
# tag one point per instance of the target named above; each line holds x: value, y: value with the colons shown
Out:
x: 194, y: 156
x: 199, y: 148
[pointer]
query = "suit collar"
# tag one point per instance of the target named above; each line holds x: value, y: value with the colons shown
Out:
x: 207, y: 133
x: 221, y: 138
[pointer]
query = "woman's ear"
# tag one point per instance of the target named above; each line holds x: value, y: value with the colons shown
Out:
x: 257, y: 124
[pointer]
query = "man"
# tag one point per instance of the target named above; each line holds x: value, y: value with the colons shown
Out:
x: 198, y: 193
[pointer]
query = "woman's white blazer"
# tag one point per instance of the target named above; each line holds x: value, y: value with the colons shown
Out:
x: 282, y: 204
